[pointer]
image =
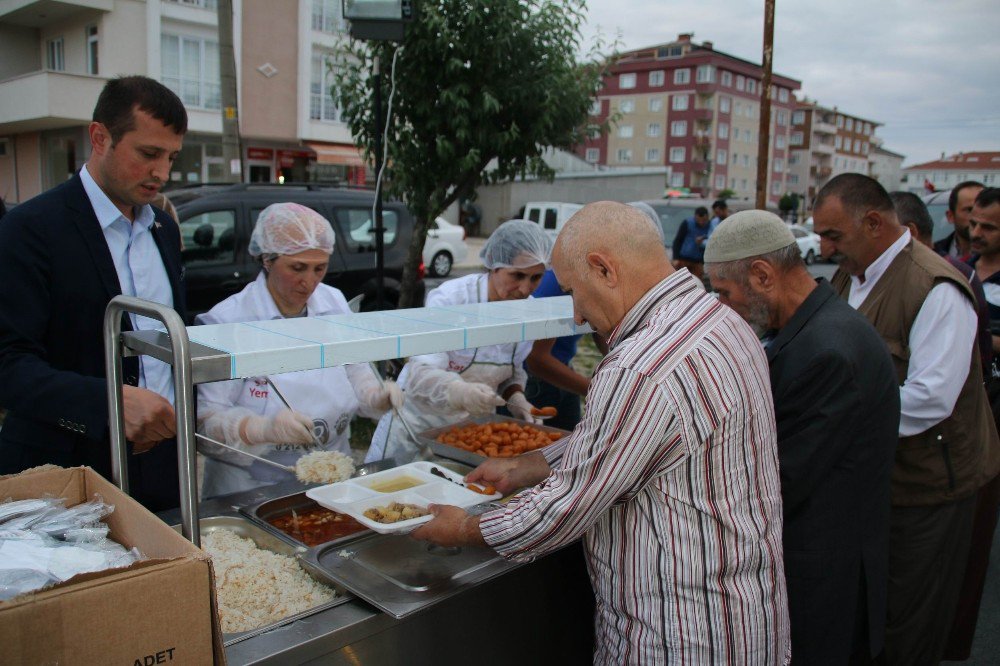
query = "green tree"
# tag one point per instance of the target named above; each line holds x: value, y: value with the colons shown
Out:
x: 482, y: 87
x: 726, y: 194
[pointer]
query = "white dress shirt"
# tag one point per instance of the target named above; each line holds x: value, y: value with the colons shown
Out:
x: 941, y: 340
x: 141, y: 272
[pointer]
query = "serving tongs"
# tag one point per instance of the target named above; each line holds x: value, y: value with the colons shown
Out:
x: 216, y: 442
x: 423, y: 450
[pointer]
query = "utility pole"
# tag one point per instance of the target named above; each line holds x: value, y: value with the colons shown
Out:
x: 379, y: 228
x: 764, y: 133
x: 231, y: 149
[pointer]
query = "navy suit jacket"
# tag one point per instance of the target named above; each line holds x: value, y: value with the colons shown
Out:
x: 836, y: 403
x: 56, y: 278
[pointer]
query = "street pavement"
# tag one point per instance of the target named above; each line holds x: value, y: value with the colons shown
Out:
x: 986, y: 647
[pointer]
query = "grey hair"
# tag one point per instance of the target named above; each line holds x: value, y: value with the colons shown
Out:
x: 784, y: 259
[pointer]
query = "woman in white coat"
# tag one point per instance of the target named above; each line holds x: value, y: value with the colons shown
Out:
x: 293, y: 244
x: 449, y: 387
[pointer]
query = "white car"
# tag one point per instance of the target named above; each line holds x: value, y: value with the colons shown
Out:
x: 445, y: 246
x: 808, y: 243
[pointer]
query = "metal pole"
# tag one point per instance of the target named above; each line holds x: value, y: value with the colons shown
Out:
x: 764, y: 139
x: 180, y: 349
x: 232, y: 152
x: 379, y: 229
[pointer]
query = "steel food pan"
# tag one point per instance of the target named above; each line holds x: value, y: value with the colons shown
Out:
x: 262, y: 512
x: 429, y: 437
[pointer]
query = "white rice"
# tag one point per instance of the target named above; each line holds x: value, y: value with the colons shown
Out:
x: 256, y: 587
x: 324, y: 467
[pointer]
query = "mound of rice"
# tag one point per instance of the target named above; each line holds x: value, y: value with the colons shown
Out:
x: 256, y: 587
x: 324, y: 467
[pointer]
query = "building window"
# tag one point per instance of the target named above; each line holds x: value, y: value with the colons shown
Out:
x: 326, y: 16
x: 625, y: 132
x: 749, y: 110
x: 91, y: 32
x: 748, y: 136
x: 705, y: 74
x: 850, y: 125
x: 782, y: 117
x: 652, y: 154
x: 322, y: 105
x: 840, y: 121
x: 746, y: 161
x: 838, y: 142
x: 868, y: 129
x: 857, y: 145
x: 679, y: 102
x: 776, y: 188
x: 190, y: 67
x: 751, y: 86
x: 677, y: 180
x: 798, y: 117
x: 54, y: 59
x: 732, y: 184
x: 736, y: 158
x: 779, y: 141
x: 656, y: 104
x: 724, y: 104
x: 626, y: 81
x: 624, y: 155
x: 682, y: 76
x: 743, y: 184
x: 779, y: 165
x: 720, y: 182
x: 727, y: 80
x: 679, y: 128
x: 627, y: 106
x: 656, y: 77
x: 203, y: 4
x: 720, y: 156
x: 793, y: 159
x: 738, y: 109
x: 864, y: 147
x: 741, y: 82
x: 723, y: 131
x: 793, y: 179
x: 653, y: 129
x: 677, y: 154
x: 595, y: 107
x: 593, y: 155
x: 782, y: 94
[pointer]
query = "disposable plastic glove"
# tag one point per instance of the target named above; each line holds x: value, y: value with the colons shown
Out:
x: 520, y: 408
x: 388, y: 396
x: 473, y: 397
x: 285, y: 427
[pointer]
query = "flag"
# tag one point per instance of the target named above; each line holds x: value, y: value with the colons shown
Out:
x: 929, y: 186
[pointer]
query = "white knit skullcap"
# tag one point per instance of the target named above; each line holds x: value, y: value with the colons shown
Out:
x: 749, y: 233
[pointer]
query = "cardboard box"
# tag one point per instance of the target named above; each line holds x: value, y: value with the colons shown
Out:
x: 158, y: 611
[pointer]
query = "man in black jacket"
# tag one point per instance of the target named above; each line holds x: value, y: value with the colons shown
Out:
x: 63, y: 256
x: 836, y: 404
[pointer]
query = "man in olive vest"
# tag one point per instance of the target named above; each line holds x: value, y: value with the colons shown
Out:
x: 948, y: 446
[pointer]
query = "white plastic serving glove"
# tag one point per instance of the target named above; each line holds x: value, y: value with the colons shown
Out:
x: 520, y: 408
x: 285, y: 427
x: 388, y: 396
x: 473, y: 397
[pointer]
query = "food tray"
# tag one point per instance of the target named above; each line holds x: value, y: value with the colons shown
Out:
x: 408, y: 484
x: 266, y: 541
x: 261, y: 512
x: 429, y: 437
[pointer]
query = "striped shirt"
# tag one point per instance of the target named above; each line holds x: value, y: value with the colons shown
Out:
x: 672, y: 481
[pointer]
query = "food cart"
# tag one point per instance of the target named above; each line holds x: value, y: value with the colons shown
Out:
x: 399, y: 600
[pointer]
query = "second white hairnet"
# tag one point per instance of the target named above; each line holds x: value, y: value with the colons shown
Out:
x: 651, y: 214
x: 290, y: 228
x: 517, y: 244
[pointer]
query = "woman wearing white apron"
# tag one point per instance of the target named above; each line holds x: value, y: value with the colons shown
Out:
x: 449, y: 387
x: 294, y: 244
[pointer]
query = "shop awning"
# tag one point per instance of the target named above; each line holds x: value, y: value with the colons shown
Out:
x: 337, y: 153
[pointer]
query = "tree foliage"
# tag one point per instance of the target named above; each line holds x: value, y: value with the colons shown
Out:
x: 482, y: 87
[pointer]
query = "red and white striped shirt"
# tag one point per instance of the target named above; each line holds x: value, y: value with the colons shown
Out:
x: 672, y: 481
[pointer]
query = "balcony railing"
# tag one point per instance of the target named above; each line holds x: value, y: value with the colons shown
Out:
x: 46, y: 100
x: 824, y: 128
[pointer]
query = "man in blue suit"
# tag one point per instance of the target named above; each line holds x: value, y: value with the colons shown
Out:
x: 63, y: 256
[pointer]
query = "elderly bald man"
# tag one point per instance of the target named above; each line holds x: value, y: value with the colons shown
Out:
x: 837, y: 408
x: 670, y: 479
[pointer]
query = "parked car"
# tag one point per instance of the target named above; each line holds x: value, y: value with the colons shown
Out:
x: 444, y: 247
x: 937, y: 206
x: 673, y: 212
x: 808, y: 243
x: 216, y: 223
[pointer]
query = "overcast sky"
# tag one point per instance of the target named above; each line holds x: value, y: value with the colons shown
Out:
x: 929, y: 70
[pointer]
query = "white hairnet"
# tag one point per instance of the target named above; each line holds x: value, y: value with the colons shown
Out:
x: 651, y: 214
x: 290, y: 228
x: 517, y: 244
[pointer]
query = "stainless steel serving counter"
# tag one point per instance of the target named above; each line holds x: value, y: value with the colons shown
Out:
x: 533, y: 613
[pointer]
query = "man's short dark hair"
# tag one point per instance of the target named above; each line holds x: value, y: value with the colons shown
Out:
x: 857, y: 192
x: 700, y: 211
x: 719, y: 203
x: 953, y: 197
x: 910, y: 209
x: 988, y: 197
x: 124, y: 93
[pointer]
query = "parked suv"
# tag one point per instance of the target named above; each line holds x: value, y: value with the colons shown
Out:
x: 216, y: 223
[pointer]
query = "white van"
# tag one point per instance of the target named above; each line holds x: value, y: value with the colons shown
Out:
x: 552, y: 215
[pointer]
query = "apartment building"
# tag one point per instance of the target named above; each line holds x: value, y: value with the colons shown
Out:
x: 696, y: 111
x: 886, y: 167
x: 826, y: 142
x: 947, y: 172
x: 56, y: 56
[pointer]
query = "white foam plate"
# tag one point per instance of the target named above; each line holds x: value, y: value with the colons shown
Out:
x: 355, y: 496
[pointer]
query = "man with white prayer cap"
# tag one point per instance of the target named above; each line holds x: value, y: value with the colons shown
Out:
x: 836, y: 404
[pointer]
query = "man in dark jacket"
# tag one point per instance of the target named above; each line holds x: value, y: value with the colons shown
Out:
x: 689, y: 242
x: 837, y: 409
x: 957, y: 244
x: 63, y: 256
